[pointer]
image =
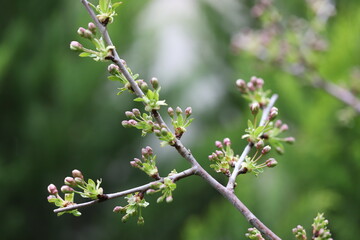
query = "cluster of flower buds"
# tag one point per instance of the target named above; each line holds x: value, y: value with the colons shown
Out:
x: 106, y: 11
x: 272, y: 136
x: 320, y: 230
x: 117, y: 75
x: 253, y: 91
x: 88, y: 190
x: 102, y: 51
x: 148, y: 163
x: 223, y: 158
x: 254, y: 234
x: 179, y: 121
x: 251, y: 164
x: 166, y: 188
x: 299, y: 232
x: 135, y: 203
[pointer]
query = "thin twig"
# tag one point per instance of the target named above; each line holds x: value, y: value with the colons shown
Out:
x: 142, y: 188
x: 235, y: 173
x: 184, y: 152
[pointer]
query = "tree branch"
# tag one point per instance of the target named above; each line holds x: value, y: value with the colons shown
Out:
x: 184, y: 152
x: 235, y: 173
x: 142, y: 188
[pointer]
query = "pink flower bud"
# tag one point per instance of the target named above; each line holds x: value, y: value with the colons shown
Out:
x: 265, y: 150
x: 74, y: 45
x: 76, y: 173
x: 170, y: 112
x: 169, y: 199
x: 129, y: 114
x: 218, y: 144
x: 67, y: 189
x: 273, y: 113
x: 271, y: 162
x: 70, y: 181
x: 254, y: 108
x: 289, y: 140
x: 117, y: 209
x: 113, y: 69
x: 188, y: 111
x: 284, y: 127
x: 178, y: 111
x: 52, y: 189
x: 259, y: 144
x: 227, y: 141
x: 241, y: 84
x: 278, y: 123
x: 136, y: 112
x: 92, y: 27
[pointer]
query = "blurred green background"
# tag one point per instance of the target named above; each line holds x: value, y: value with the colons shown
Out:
x: 59, y: 112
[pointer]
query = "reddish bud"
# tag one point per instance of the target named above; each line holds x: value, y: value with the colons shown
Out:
x: 67, y: 189
x: 254, y: 108
x: 113, y: 69
x: 188, y: 111
x: 52, y: 189
x: 76, y: 173
x: 129, y: 114
x: 117, y: 209
x: 259, y: 144
x: 92, y: 27
x: 284, y: 127
x: 241, y: 84
x: 271, y: 162
x: 227, y: 141
x: 170, y: 112
x: 289, y: 140
x: 273, y: 113
x: 74, y: 45
x: 70, y: 181
x: 136, y: 112
x: 178, y: 111
x: 218, y: 144
x: 265, y: 150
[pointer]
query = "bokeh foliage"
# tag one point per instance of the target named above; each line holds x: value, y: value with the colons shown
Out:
x: 58, y: 112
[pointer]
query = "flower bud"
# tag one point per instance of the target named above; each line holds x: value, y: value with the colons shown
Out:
x: 273, y: 113
x: 79, y: 181
x: 143, y: 85
x: 220, y: 154
x: 157, y: 132
x: 76, y: 173
x: 113, y: 69
x: 76, y: 46
x: 271, y: 162
x: 85, y: 33
x: 227, y: 141
x: 154, y: 83
x: 250, y: 86
x: 70, y: 181
x: 92, y: 27
x: 289, y: 140
x: 218, y: 144
x: 136, y: 112
x: 132, y: 122
x: 125, y: 123
x: 117, y: 209
x: 170, y: 112
x: 164, y: 132
x: 67, y: 189
x: 130, y: 114
x: 265, y: 150
x: 52, y: 189
x: 149, y: 150
x: 178, y: 111
x: 254, y: 108
x: 188, y: 111
x: 241, y: 84
x: 134, y: 164
x: 259, y: 144
x: 278, y: 123
x: 169, y: 199
x: 284, y: 127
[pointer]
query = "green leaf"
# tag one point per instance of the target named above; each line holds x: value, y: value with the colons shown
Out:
x: 86, y: 54
x: 139, y: 99
x: 250, y: 125
x: 114, y: 78
x: 115, y: 5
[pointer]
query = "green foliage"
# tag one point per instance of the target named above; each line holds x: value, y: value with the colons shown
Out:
x: 106, y: 11
x: 135, y: 204
x: 165, y: 188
